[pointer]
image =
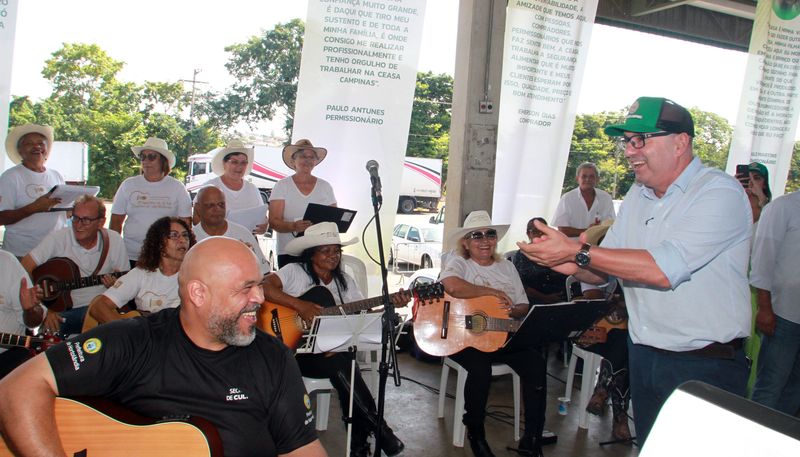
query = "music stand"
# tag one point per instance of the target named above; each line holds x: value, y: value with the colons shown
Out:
x: 557, y: 321
x: 344, y: 334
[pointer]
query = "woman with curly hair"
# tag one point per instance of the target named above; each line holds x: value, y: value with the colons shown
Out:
x: 153, y: 284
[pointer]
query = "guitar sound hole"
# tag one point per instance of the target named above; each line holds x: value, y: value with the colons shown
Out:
x: 476, y: 323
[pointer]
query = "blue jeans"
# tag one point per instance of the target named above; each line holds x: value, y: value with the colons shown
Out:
x: 656, y: 374
x: 73, y: 321
x: 778, y: 377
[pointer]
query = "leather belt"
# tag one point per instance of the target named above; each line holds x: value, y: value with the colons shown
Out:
x: 713, y: 350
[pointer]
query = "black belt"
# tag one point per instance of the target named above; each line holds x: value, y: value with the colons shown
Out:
x: 713, y: 350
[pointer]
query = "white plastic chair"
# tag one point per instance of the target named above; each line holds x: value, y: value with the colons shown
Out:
x: 458, y: 427
x: 355, y: 267
x: 323, y: 388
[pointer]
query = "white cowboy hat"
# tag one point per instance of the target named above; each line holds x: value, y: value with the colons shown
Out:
x: 474, y: 221
x: 19, y: 131
x: 320, y: 234
x: 302, y: 145
x: 233, y: 147
x: 595, y: 232
x: 158, y: 145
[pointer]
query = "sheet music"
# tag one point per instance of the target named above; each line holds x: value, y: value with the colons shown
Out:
x: 69, y: 193
x: 249, y: 217
x: 338, y: 333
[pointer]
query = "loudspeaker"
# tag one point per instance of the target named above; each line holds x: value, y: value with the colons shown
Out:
x: 703, y: 420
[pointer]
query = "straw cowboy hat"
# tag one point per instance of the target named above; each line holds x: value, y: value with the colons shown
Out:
x: 158, y: 145
x: 302, y: 145
x: 596, y: 232
x: 320, y: 234
x: 477, y: 220
x: 233, y: 147
x: 16, y: 134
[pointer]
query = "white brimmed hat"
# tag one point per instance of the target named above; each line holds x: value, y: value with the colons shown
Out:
x: 320, y: 234
x: 595, y: 232
x: 233, y: 147
x: 302, y: 145
x: 16, y: 134
x: 477, y: 220
x: 158, y: 145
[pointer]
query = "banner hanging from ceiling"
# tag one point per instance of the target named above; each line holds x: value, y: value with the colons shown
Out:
x: 8, y: 27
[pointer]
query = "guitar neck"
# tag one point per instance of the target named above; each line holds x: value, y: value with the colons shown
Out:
x: 353, y: 307
x: 498, y: 324
x: 10, y: 340
x: 86, y: 281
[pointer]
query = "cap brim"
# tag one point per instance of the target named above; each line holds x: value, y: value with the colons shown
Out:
x: 297, y: 245
x: 218, y: 154
x: 18, y: 132
x: 502, y: 229
x: 631, y: 125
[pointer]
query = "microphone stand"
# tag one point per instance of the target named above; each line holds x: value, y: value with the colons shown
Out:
x: 389, y: 321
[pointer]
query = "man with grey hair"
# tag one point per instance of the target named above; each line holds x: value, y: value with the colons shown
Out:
x: 585, y: 205
x: 25, y: 189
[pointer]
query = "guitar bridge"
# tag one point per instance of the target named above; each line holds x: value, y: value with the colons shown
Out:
x: 445, y: 319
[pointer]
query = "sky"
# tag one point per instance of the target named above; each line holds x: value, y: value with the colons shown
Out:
x: 166, y: 40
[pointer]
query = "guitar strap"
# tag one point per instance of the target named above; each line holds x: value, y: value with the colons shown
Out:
x: 103, y: 251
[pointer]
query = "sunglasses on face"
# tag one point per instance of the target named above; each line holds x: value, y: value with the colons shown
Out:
x: 151, y: 156
x: 490, y: 234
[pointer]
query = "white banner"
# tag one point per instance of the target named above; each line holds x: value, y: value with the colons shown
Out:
x: 8, y: 26
x: 357, y: 78
x: 768, y: 110
x: 544, y: 56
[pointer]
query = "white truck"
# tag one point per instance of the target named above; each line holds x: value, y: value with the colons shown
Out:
x: 70, y: 158
x: 420, y: 186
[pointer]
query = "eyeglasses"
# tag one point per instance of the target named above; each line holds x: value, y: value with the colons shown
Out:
x: 173, y: 235
x: 330, y: 251
x: 490, y: 234
x: 153, y: 156
x: 84, y: 220
x: 637, y: 141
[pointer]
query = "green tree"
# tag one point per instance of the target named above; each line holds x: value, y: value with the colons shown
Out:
x: 430, y: 115
x: 266, y: 69
x: 793, y: 180
x: 712, y: 138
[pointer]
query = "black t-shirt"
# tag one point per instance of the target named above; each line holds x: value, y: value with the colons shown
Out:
x: 254, y: 395
x: 538, y: 277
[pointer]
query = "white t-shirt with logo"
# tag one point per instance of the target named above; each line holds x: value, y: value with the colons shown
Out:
x: 246, y: 197
x: 151, y: 290
x: 62, y: 243
x: 10, y: 307
x: 238, y: 232
x: 296, y: 282
x: 144, y: 202
x: 19, y: 187
x: 500, y: 275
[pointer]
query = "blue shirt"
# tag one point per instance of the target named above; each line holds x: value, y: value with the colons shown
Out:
x: 699, y: 235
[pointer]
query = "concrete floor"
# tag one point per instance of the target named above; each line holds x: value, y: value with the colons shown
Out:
x: 411, y: 411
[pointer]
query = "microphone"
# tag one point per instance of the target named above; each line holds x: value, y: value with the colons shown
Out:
x: 372, y: 168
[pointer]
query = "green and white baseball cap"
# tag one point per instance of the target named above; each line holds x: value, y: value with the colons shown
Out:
x: 654, y: 114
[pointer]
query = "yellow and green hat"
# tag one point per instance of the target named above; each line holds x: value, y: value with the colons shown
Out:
x: 654, y: 114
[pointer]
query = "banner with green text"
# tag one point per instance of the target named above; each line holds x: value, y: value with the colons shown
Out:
x: 769, y: 105
x: 546, y: 44
x: 8, y: 26
x: 357, y: 79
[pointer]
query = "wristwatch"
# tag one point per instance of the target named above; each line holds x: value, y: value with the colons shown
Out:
x: 582, y: 258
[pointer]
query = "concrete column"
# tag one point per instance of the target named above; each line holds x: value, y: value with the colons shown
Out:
x: 473, y: 135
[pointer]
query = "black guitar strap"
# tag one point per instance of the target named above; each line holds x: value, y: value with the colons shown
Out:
x: 103, y: 251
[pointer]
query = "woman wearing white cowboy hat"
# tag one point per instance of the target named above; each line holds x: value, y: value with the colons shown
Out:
x: 25, y: 189
x: 143, y: 199
x: 320, y: 253
x: 232, y: 164
x: 475, y: 271
x: 291, y: 195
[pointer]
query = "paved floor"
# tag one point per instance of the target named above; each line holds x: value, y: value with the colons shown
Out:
x: 411, y: 411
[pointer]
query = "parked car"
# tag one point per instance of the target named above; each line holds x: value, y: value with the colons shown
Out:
x: 417, y: 245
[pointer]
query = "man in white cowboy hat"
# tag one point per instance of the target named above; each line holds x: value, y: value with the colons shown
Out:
x: 25, y: 189
x: 680, y: 249
x: 476, y: 270
x: 210, y: 208
x: 291, y: 195
x: 320, y: 254
x: 141, y: 200
x: 232, y: 165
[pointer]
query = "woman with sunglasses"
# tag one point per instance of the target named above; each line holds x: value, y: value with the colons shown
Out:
x: 291, y: 195
x: 232, y: 164
x: 141, y: 200
x: 320, y: 254
x: 476, y: 271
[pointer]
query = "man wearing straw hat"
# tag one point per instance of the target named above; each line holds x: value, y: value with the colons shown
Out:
x: 25, y: 189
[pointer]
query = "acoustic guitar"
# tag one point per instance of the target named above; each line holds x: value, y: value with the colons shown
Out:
x: 90, y: 322
x: 598, y: 332
x: 445, y: 328
x: 60, y: 275
x: 35, y: 344
x: 285, y: 323
x: 99, y: 427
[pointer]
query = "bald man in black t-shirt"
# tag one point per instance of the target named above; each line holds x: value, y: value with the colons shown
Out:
x: 202, y: 359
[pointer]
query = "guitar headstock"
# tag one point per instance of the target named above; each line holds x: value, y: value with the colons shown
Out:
x: 429, y: 292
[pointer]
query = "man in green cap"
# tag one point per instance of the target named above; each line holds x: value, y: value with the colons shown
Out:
x: 680, y: 248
